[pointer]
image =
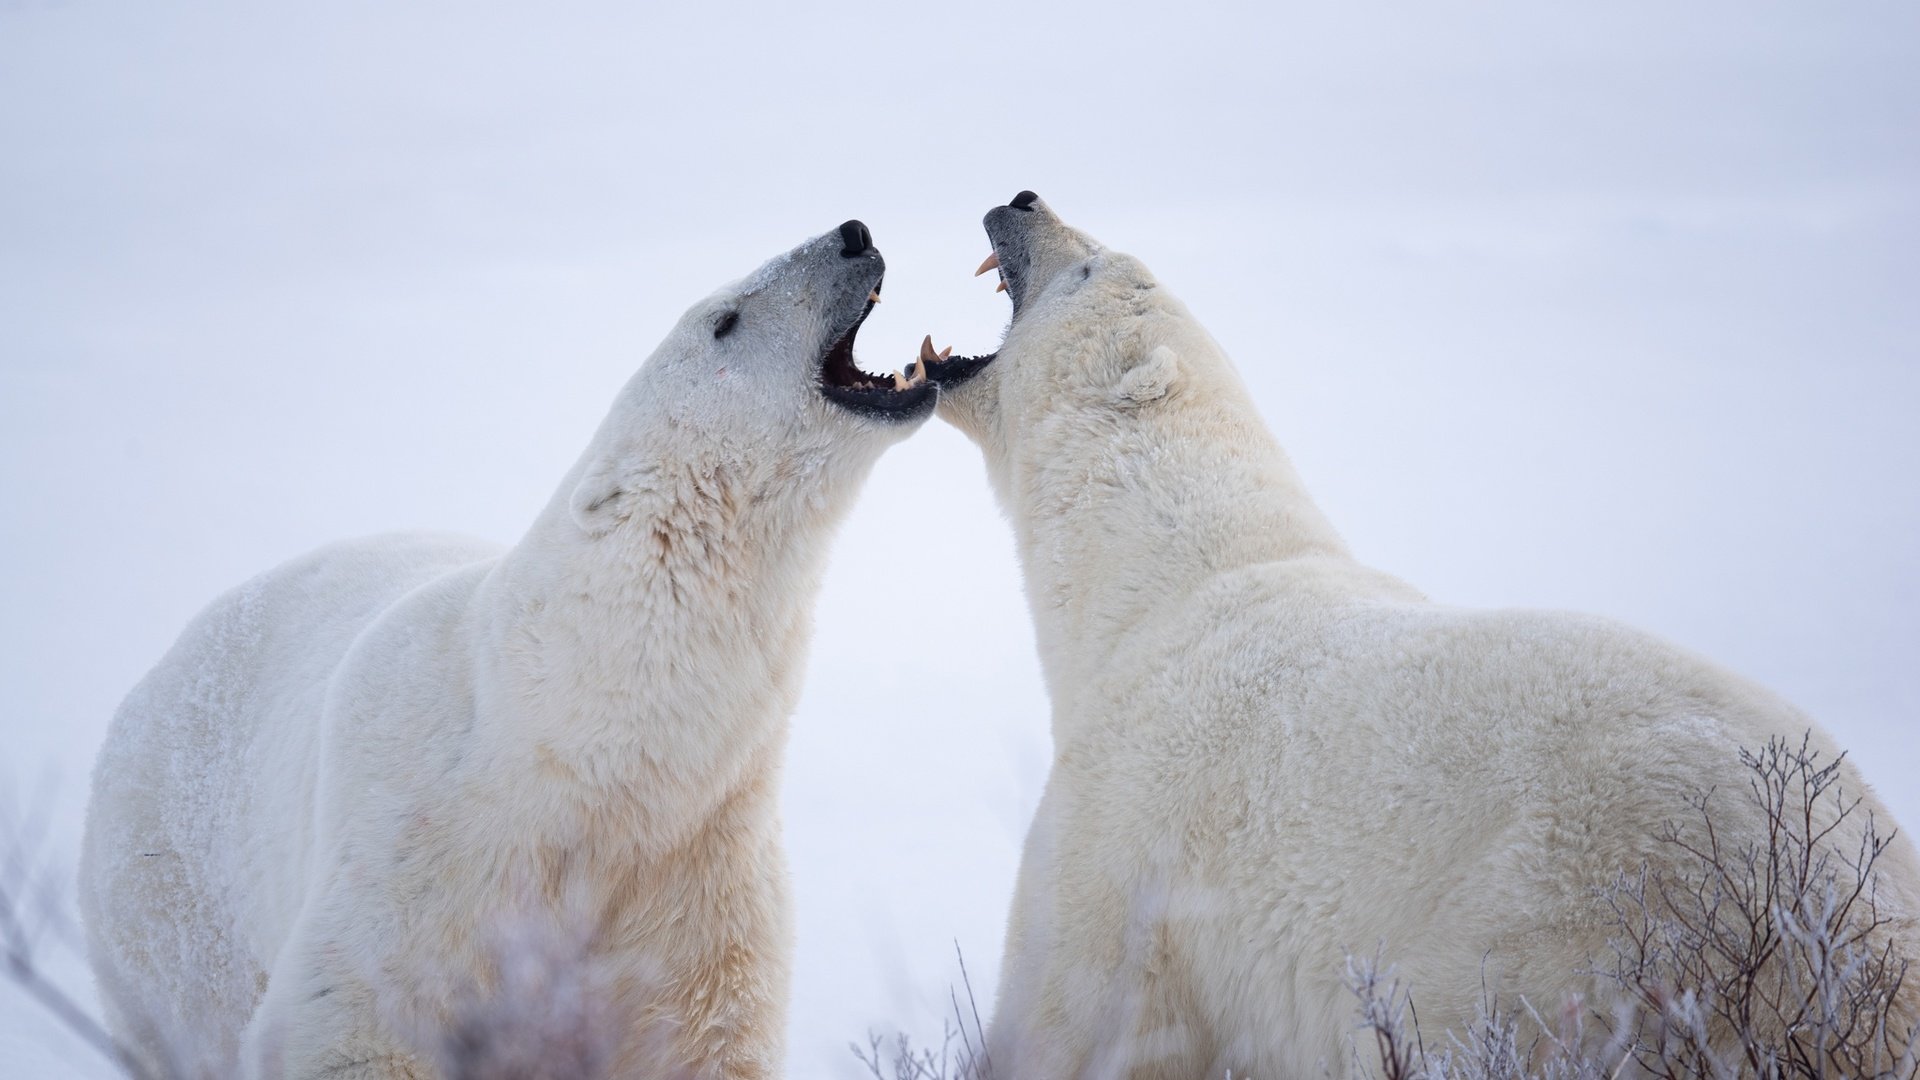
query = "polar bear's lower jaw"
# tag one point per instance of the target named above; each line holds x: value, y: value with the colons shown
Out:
x: 954, y: 370
x: 881, y: 401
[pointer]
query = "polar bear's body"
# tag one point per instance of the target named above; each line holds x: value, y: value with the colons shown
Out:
x: 1267, y: 754
x: 412, y: 798
x: 187, y: 893
x: 1339, y: 774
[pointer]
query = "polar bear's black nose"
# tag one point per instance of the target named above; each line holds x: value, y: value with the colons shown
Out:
x: 1024, y: 200
x: 855, y: 239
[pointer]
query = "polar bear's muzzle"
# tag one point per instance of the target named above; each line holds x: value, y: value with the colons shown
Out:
x: 843, y: 381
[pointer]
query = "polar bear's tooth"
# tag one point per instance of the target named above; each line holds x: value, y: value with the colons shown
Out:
x: 993, y: 261
x: 899, y: 381
x: 1002, y: 287
x: 926, y: 350
x: 946, y: 352
x: 873, y: 296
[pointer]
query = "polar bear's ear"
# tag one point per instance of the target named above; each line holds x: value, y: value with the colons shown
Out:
x: 1148, y: 380
x: 597, y: 500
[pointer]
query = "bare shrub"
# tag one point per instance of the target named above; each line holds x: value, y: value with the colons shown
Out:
x: 1767, y: 958
x: 1504, y: 1041
x: 962, y: 1054
x: 34, y: 912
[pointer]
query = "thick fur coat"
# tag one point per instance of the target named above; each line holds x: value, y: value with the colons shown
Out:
x: 1267, y: 754
x: 367, y: 789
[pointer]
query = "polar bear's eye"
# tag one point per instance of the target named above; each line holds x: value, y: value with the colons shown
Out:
x: 726, y: 324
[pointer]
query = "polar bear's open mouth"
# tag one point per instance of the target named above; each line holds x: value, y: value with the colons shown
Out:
x: 845, y: 383
x: 1010, y: 257
x: 946, y: 369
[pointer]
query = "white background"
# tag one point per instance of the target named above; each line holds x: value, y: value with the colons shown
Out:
x: 1615, y: 310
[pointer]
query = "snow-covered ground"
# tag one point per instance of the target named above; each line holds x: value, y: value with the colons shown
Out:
x: 1611, y: 310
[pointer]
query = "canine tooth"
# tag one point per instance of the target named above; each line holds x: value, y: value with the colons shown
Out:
x: 1002, y: 287
x: 873, y: 297
x: 993, y: 260
x: 926, y: 350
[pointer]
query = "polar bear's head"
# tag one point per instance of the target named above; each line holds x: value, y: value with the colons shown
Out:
x: 755, y: 390
x: 1092, y: 340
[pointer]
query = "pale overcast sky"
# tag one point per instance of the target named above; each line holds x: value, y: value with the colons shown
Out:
x: 1611, y: 310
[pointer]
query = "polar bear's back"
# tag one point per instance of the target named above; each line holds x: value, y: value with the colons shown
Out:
x: 200, y: 820
x: 1451, y: 786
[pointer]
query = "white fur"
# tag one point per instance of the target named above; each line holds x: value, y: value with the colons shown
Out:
x: 1267, y: 753
x: 309, y: 821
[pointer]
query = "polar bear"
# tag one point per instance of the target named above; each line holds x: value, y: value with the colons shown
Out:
x: 309, y: 819
x: 1267, y: 754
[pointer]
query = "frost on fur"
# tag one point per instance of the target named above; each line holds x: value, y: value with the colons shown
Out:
x: 1766, y: 959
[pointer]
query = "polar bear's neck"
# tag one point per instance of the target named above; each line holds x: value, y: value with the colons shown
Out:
x: 1124, y: 510
x: 644, y: 671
